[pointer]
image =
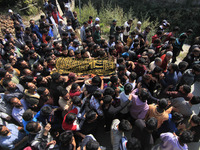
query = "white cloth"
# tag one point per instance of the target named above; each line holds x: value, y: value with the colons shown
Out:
x: 55, y: 29
x: 125, y: 26
x: 116, y: 135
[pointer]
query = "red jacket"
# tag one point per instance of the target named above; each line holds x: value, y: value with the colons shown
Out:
x: 74, y: 126
x: 56, y: 15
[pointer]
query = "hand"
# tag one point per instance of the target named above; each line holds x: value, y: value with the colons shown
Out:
x: 162, y: 76
x: 52, y: 142
x: 130, y: 97
x: 8, y: 118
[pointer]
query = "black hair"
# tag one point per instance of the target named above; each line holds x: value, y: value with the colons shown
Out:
x: 96, y: 80
x: 31, y: 126
x: 186, y: 137
x: 5, y: 82
x: 162, y: 103
x: 159, y: 32
x: 97, y: 94
x: 70, y: 118
x: 121, y: 68
x: 90, y: 115
x: 92, y: 145
x: 36, y: 65
x: 74, y: 86
x: 124, y: 125
x: 157, y: 69
x: 128, y: 88
x: 174, y: 67
x: 41, y: 90
x: 2, y: 73
x: 196, y: 67
x: 55, y: 76
x: 114, y: 79
x: 141, y: 60
x: 76, y: 100
x: 182, y: 64
x: 46, y: 110
x: 195, y: 100
x: 133, y: 76
x: 107, y: 99
x: 143, y: 94
x: 109, y: 91
x: 63, y: 93
x: 195, y: 119
x: 120, y: 60
x: 66, y: 137
x: 177, y: 116
x: 186, y: 88
x: 151, y: 123
x: 133, y: 144
x: 28, y: 115
x: 1, y: 127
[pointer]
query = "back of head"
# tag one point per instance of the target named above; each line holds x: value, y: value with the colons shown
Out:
x: 195, y: 119
x: 96, y: 80
x: 177, y: 116
x: 128, y: 88
x: 66, y: 137
x: 186, y: 88
x: 90, y: 115
x: 32, y: 126
x: 133, y: 144
x: 76, y: 100
x: 182, y: 65
x: 195, y: 100
x: 162, y: 103
x: 97, y: 94
x: 196, y: 67
x: 92, y: 145
x: 55, y: 76
x: 107, y: 99
x: 109, y: 91
x: 74, y: 86
x: 151, y: 124
x: 133, y: 76
x: 46, y: 110
x: 41, y: 90
x: 114, y: 79
x: 28, y: 115
x: 143, y: 94
x: 70, y: 118
x: 124, y: 125
x: 186, y: 137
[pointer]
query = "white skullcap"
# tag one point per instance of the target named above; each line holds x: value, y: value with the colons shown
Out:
x: 139, y: 22
x: 60, y: 20
x: 10, y: 11
x: 69, y: 27
x: 96, y: 26
x: 169, y: 53
x: 66, y: 5
x: 97, y: 19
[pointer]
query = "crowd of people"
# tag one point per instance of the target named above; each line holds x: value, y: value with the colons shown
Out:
x: 149, y: 96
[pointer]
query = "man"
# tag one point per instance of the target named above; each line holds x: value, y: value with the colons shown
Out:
x: 68, y: 13
x: 143, y: 132
x: 11, y: 137
x: 16, y: 17
x: 117, y: 131
x: 138, y: 29
x: 113, y: 27
x: 82, y: 31
x: 42, y: 137
x: 35, y: 29
x: 127, y: 26
x: 184, y: 107
x: 74, y: 46
x: 155, y: 63
x: 174, y: 142
x: 18, y: 109
x: 165, y: 60
x: 97, y: 35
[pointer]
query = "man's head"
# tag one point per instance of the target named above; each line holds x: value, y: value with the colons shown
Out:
x: 169, y: 55
x: 128, y: 88
x: 162, y: 104
x: 9, y: 85
x: 124, y: 125
x: 28, y: 115
x: 182, y: 66
x: 92, y: 145
x: 196, y: 69
x: 143, y: 94
x: 195, y: 100
x: 16, y: 102
x: 70, y: 118
x: 66, y: 138
x: 4, y: 130
x: 91, y: 116
x: 151, y: 124
x: 33, y: 127
x: 133, y: 144
x: 158, y: 61
x: 46, y: 111
x: 185, y: 137
x: 185, y: 89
